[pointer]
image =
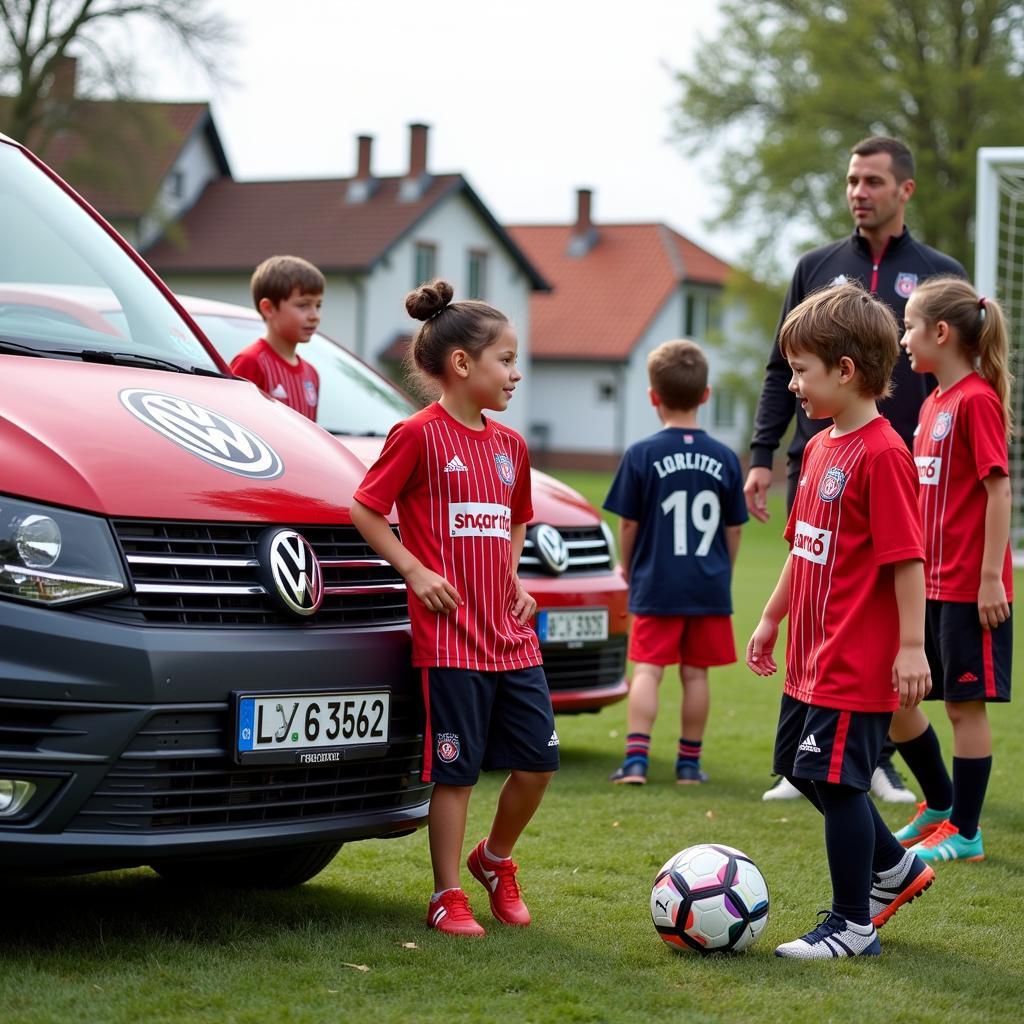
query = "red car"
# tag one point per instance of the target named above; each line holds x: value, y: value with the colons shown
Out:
x: 569, y: 557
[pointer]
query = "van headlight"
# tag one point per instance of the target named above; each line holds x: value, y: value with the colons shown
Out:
x: 54, y: 557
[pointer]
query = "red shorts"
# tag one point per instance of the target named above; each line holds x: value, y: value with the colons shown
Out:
x: 697, y: 640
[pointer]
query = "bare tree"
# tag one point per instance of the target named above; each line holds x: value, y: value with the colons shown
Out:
x: 37, y: 38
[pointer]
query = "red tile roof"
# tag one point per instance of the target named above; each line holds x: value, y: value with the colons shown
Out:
x: 117, y: 152
x: 234, y: 225
x: 603, y: 302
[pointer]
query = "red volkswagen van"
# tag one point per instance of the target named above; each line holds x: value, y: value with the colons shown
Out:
x: 203, y: 667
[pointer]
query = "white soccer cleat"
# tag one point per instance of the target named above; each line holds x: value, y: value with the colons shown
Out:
x: 782, y: 790
x: 887, y: 785
x: 833, y: 939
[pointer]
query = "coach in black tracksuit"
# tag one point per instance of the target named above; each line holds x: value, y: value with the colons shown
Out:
x: 883, y: 256
x: 887, y: 260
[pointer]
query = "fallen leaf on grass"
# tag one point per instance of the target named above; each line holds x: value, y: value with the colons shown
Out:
x: 613, y: 733
x: 331, y: 991
x: 615, y: 824
x: 98, y: 989
x: 357, y: 967
x: 709, y: 814
x: 408, y: 945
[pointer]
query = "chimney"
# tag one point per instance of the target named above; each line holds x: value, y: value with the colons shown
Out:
x: 62, y: 84
x: 417, y: 180
x: 584, y: 234
x: 363, y: 185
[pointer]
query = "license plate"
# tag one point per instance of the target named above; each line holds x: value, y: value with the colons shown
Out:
x: 572, y: 625
x: 309, y: 728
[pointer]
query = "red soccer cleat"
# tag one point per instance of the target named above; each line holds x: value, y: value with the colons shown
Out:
x: 450, y: 913
x: 498, y: 877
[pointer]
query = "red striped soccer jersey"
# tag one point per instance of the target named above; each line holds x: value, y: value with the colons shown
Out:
x: 297, y: 386
x: 854, y: 517
x: 459, y: 492
x: 960, y: 440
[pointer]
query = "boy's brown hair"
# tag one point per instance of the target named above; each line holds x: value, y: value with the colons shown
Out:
x: 845, y: 320
x: 277, y: 277
x: 678, y: 372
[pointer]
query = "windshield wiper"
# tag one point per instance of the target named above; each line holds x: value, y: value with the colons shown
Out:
x: 341, y: 432
x: 137, y: 359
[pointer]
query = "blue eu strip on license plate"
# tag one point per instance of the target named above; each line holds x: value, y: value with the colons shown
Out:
x: 291, y: 722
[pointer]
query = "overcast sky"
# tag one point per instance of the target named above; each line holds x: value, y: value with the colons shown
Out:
x: 530, y: 99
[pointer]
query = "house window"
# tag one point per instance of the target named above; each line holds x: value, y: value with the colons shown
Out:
x: 477, y: 274
x: 723, y: 407
x: 690, y: 320
x: 176, y: 184
x: 426, y: 263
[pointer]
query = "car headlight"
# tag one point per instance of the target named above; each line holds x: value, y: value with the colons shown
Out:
x: 609, y: 539
x: 53, y: 557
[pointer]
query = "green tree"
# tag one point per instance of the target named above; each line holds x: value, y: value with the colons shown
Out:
x: 789, y: 85
x: 37, y: 38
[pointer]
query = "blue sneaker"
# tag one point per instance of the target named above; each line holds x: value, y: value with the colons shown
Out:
x: 688, y: 773
x: 833, y: 939
x: 632, y: 772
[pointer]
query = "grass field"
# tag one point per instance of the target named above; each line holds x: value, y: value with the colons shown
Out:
x: 351, y: 945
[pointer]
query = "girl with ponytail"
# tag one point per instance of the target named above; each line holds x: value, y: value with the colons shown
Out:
x: 961, y: 451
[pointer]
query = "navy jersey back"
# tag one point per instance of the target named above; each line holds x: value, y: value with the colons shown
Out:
x: 682, y: 488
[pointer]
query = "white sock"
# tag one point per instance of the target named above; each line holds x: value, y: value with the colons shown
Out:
x: 438, y: 895
x: 494, y: 857
x: 860, y: 929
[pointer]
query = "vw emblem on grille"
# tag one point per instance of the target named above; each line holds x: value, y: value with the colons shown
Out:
x: 552, y: 549
x: 210, y: 435
x: 291, y: 571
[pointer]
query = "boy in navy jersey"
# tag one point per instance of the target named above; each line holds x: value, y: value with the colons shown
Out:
x: 680, y: 496
x: 287, y: 292
x: 853, y: 587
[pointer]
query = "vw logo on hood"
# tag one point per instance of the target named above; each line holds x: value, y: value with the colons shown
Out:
x: 207, y: 434
x: 290, y: 571
x: 551, y: 548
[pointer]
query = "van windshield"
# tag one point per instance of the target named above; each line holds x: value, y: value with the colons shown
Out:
x: 59, y: 269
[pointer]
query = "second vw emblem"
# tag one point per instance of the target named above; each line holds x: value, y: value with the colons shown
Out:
x: 291, y: 571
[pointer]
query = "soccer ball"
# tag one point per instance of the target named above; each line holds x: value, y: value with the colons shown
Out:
x: 710, y: 898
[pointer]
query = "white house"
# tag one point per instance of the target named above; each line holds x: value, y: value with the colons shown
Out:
x: 374, y: 238
x: 618, y: 291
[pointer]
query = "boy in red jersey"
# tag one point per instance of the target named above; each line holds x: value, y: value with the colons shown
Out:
x: 288, y: 293
x: 461, y: 483
x: 853, y: 587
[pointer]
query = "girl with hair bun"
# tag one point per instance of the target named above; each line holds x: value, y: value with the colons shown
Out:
x: 963, y: 466
x: 461, y: 483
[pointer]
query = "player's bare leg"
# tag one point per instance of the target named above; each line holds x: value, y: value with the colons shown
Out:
x: 693, y: 719
x: 446, y: 827
x: 643, y: 697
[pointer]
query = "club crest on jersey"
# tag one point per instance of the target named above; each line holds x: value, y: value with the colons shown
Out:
x: 942, y: 426
x: 310, y: 388
x: 448, y: 747
x: 832, y: 484
x: 506, y: 471
x: 905, y: 284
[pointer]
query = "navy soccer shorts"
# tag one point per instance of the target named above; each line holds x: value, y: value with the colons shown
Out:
x: 966, y: 661
x: 484, y: 721
x: 829, y: 745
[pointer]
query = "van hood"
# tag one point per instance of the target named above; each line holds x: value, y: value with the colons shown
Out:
x: 553, y: 502
x: 121, y: 441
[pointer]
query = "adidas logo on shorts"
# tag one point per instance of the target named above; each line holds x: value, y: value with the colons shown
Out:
x: 456, y: 465
x: 553, y: 742
x: 810, y: 744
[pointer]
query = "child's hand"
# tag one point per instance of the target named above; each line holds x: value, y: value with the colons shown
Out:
x: 434, y: 591
x: 760, y: 659
x: 524, y: 606
x: 911, y: 677
x: 993, y: 607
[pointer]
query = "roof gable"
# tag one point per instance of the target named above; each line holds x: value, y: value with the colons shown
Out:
x: 233, y: 225
x: 604, y: 301
x: 116, y: 153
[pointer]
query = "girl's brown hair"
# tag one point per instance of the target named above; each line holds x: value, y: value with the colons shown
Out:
x: 980, y: 328
x: 470, y: 325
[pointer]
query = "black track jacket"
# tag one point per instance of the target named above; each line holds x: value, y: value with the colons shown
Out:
x: 904, y: 262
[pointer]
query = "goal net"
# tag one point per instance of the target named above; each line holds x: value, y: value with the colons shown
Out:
x: 999, y: 271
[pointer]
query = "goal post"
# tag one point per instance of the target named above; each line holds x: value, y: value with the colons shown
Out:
x: 999, y: 271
